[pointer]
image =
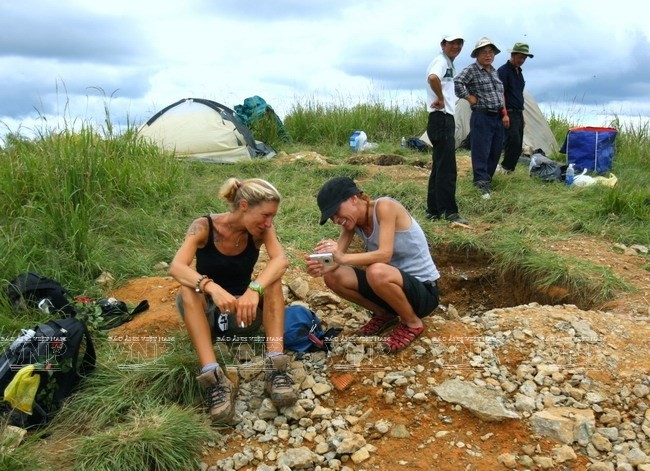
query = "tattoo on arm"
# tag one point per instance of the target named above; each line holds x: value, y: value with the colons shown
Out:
x: 194, y: 229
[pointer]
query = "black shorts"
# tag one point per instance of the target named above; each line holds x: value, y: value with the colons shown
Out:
x: 422, y: 296
x: 224, y: 329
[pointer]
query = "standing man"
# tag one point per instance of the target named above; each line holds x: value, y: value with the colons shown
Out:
x: 513, y: 85
x: 441, y: 130
x: 479, y: 84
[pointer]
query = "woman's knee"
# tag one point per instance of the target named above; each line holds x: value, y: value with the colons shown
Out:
x: 378, y: 274
x: 188, y: 300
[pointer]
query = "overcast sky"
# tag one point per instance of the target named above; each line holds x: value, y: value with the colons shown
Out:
x: 67, y: 61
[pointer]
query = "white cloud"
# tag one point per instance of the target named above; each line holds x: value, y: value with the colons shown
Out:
x: 77, y: 56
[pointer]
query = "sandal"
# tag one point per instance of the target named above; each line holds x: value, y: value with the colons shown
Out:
x: 377, y: 324
x: 401, y: 337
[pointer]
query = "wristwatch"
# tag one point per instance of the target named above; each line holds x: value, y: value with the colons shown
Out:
x: 255, y: 286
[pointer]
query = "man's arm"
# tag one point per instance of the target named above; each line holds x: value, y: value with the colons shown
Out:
x: 460, y: 87
x: 436, y: 86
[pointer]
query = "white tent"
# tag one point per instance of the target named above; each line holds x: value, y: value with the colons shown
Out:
x: 537, y: 132
x: 202, y: 129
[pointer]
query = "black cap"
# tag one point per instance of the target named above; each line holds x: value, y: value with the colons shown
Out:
x: 332, y: 194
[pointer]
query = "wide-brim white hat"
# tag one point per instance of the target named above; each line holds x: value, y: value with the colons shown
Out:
x: 484, y: 41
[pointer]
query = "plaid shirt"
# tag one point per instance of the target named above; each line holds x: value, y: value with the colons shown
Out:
x: 483, y: 84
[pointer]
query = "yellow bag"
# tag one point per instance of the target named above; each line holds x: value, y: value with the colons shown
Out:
x: 609, y: 181
x: 21, y: 391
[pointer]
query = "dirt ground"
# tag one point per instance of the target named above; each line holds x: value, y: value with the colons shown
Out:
x: 472, y: 287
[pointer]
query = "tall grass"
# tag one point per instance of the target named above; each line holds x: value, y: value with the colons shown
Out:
x: 62, y: 196
x: 318, y: 124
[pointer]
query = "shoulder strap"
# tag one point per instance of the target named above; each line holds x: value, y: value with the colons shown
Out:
x: 89, y: 359
x: 210, y: 229
x: 141, y: 307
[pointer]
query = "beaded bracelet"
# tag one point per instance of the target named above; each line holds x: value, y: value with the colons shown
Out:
x: 207, y: 281
x: 197, y: 287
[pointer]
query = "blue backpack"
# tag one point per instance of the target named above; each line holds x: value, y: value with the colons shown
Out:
x: 303, y: 331
x: 417, y: 144
x: 255, y: 108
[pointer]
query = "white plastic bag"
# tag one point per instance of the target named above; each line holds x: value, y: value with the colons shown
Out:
x: 361, y: 141
x: 583, y: 179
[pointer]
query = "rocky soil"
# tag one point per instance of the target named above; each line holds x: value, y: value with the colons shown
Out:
x: 487, y: 386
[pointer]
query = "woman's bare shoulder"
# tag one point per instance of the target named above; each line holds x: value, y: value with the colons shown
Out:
x: 199, y: 225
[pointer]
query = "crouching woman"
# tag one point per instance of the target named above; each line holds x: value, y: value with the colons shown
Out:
x: 395, y: 278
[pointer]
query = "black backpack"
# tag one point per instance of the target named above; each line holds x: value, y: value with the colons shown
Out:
x: 31, y: 290
x: 417, y: 144
x: 63, y: 352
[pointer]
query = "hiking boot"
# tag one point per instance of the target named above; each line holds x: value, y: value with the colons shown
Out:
x: 221, y: 394
x: 279, y: 384
x: 502, y: 170
x: 484, y: 187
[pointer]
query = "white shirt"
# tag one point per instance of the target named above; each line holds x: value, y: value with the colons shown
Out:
x: 442, y: 67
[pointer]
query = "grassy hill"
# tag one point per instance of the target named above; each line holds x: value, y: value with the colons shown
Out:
x: 76, y: 205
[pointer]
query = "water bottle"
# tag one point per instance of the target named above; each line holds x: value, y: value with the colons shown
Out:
x: 353, y: 140
x: 570, y: 175
x: 403, y: 143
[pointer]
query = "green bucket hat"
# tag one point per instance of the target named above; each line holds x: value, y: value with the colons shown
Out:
x: 521, y: 48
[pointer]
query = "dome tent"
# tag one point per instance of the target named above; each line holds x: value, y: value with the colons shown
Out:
x: 200, y: 129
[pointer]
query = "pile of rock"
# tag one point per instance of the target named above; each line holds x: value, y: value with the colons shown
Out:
x: 549, y: 389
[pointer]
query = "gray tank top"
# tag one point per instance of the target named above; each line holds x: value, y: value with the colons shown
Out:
x: 410, y: 252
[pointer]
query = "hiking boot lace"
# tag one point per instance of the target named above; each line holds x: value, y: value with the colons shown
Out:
x: 280, y: 379
x: 218, y: 394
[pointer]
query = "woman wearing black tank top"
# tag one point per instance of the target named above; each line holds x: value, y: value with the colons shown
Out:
x: 226, y: 247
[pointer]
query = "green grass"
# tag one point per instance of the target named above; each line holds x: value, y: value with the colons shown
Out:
x: 74, y: 205
x: 151, y: 436
x: 167, y: 378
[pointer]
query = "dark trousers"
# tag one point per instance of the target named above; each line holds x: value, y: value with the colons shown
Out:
x: 514, y: 139
x: 441, y: 196
x: 486, y: 136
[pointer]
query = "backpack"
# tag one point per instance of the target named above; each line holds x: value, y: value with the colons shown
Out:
x: 255, y: 108
x: 590, y: 148
x: 417, y: 144
x: 31, y: 290
x: 303, y: 331
x: 62, y: 352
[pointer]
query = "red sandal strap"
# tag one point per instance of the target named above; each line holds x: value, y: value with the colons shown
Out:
x: 377, y: 324
x: 402, y: 336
